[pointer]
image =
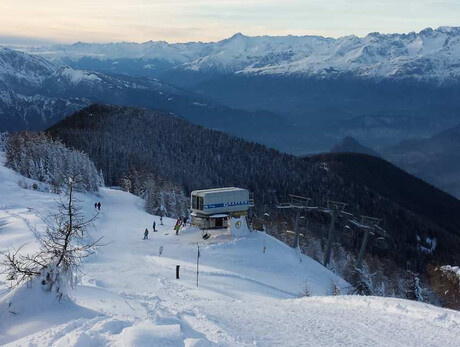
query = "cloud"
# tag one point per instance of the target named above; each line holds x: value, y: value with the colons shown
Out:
x: 13, y: 41
x: 205, y: 20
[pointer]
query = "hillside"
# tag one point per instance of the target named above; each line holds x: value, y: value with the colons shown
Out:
x: 133, y: 142
x: 370, y: 175
x: 127, y: 293
x: 435, y: 159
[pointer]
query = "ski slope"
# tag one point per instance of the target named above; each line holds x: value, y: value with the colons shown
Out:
x: 128, y: 294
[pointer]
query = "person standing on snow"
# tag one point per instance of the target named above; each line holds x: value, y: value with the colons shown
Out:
x: 146, y: 234
x: 154, y: 225
x: 177, y: 226
x: 99, y: 205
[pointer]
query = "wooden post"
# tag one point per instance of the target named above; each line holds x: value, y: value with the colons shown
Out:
x: 197, y: 264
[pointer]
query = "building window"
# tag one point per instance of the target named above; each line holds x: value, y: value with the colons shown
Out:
x: 194, y: 202
x: 200, y: 203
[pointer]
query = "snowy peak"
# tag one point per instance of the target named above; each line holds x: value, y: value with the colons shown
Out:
x: 76, y: 76
x: 20, y: 67
x: 31, y: 70
x: 427, y: 55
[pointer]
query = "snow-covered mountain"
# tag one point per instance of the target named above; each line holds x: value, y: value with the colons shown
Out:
x: 127, y: 294
x: 35, y: 93
x: 24, y: 99
x: 426, y: 55
x: 381, y: 89
x: 20, y: 68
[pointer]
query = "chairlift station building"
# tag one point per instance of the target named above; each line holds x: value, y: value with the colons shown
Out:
x: 212, y: 208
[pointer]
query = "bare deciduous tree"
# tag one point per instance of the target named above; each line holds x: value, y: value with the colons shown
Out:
x: 64, y: 244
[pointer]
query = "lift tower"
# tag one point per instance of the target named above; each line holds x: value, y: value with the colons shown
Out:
x: 298, y: 203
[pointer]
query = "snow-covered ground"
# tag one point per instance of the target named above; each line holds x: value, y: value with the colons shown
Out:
x: 128, y: 294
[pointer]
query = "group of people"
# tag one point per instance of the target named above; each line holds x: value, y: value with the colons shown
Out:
x: 154, y: 228
x: 97, y: 206
x: 179, y: 224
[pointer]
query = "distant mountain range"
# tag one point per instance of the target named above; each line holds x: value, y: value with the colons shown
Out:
x: 25, y: 98
x: 300, y: 95
x: 428, y: 55
x: 380, y: 89
x: 35, y: 93
x: 436, y: 159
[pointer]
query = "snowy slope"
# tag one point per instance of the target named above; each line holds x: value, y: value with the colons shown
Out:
x: 428, y: 55
x: 25, y: 70
x: 128, y: 294
x: 20, y: 67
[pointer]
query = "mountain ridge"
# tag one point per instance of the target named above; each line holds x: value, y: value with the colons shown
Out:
x: 429, y: 55
x: 435, y: 159
x: 34, y: 94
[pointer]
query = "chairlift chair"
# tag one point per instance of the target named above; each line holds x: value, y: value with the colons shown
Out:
x: 205, y: 235
x: 381, y: 243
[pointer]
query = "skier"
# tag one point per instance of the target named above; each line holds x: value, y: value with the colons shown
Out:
x: 146, y: 234
x: 154, y: 225
x: 99, y: 205
x: 95, y: 205
x: 161, y: 220
x: 177, y: 227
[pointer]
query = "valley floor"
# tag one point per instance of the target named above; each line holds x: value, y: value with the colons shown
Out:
x: 128, y: 294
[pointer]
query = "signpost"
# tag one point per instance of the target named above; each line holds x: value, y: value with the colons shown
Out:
x: 198, y: 255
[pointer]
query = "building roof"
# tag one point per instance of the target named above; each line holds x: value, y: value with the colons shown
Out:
x: 217, y: 190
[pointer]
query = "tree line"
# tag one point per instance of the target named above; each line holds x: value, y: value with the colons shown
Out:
x: 38, y: 156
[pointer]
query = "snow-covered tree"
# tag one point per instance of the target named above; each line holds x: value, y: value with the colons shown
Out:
x: 3, y: 140
x: 37, y: 156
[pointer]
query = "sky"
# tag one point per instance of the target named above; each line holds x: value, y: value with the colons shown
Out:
x: 46, y: 21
